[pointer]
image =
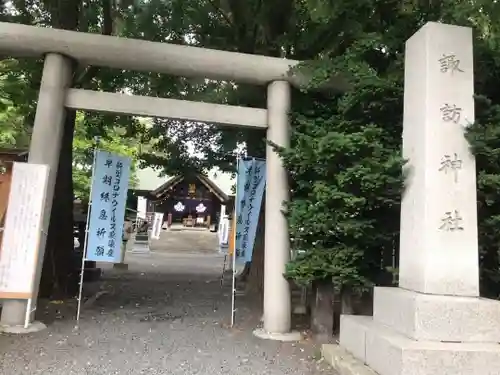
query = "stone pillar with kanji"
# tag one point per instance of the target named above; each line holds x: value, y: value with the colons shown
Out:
x: 434, y: 322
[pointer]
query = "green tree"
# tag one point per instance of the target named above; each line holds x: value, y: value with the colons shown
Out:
x: 484, y: 139
x: 13, y: 132
x: 83, y: 154
x: 100, y: 16
x: 345, y: 157
x: 346, y: 165
x: 364, y: 39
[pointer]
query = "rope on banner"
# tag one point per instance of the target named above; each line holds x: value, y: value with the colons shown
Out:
x: 89, y: 207
x: 252, y: 158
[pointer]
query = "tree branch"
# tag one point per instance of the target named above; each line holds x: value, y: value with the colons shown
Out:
x: 107, y: 29
x: 258, y: 9
x: 219, y: 10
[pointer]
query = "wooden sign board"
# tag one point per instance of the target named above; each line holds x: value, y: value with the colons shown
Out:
x: 22, y: 231
x: 4, y: 198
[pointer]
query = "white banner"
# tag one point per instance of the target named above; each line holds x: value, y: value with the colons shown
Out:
x: 157, y: 224
x: 223, y: 234
x: 23, y: 228
x: 110, y: 179
x: 142, y: 207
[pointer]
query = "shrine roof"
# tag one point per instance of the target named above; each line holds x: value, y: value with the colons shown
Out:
x: 163, y: 189
x: 13, y: 154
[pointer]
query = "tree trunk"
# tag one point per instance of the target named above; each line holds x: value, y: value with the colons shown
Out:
x: 59, y: 266
x: 322, y: 311
x: 255, y: 279
x: 253, y: 274
x: 346, y: 298
x: 344, y: 304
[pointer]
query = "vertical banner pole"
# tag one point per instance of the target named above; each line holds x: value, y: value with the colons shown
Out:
x: 84, y: 254
x: 233, y: 288
x: 233, y: 294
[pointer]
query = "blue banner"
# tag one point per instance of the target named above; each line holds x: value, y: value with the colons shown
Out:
x: 107, y: 209
x: 250, y: 186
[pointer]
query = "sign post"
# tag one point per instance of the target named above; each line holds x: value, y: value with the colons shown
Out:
x: 142, y: 207
x: 21, y: 236
x: 108, y: 196
x: 223, y: 237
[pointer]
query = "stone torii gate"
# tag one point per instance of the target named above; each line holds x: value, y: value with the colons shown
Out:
x: 61, y: 48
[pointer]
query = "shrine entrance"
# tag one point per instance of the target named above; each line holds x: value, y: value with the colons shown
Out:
x: 61, y: 48
x: 190, y: 200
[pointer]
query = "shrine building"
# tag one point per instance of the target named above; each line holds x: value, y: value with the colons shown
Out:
x: 192, y: 200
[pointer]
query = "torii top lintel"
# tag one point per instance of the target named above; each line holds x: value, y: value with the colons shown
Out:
x: 133, y: 54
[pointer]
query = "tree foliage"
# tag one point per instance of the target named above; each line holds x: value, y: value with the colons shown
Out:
x: 345, y: 162
x: 98, y: 16
x: 83, y: 155
x: 345, y: 159
x: 14, y: 134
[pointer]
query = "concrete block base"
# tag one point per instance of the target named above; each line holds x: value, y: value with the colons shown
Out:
x: 436, y: 317
x: 344, y: 362
x: 390, y: 353
x: 120, y: 266
x: 20, y: 330
x: 285, y: 337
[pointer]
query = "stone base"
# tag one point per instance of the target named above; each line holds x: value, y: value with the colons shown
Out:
x: 20, y: 330
x: 141, y: 247
x: 285, y: 337
x: 120, y: 266
x: 437, y: 318
x: 300, y: 310
x: 390, y: 353
x: 344, y: 362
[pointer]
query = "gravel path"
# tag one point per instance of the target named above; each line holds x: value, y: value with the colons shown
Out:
x: 166, y: 315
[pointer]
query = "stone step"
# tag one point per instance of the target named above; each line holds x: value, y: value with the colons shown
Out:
x: 388, y: 352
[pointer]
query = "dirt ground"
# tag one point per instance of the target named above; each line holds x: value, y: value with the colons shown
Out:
x: 167, y: 314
